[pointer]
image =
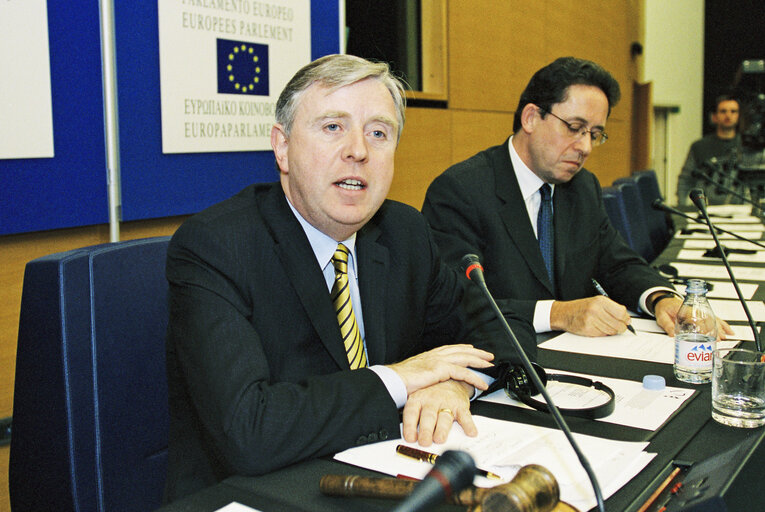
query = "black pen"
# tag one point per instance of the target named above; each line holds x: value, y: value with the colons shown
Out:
x: 601, y: 291
x: 414, y: 453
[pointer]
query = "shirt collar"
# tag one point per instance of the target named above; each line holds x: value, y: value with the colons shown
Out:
x: 527, y: 180
x: 324, y: 246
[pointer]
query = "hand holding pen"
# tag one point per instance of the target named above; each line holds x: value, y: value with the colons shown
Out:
x: 602, y: 292
x: 414, y: 453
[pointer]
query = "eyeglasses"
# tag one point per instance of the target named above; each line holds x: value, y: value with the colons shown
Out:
x: 577, y: 130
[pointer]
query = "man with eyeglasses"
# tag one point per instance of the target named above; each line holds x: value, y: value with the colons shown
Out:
x: 535, y: 217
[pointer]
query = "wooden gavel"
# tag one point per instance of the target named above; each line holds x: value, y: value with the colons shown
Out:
x: 533, y: 489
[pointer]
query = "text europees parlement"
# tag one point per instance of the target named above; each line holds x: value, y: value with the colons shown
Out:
x: 223, y: 25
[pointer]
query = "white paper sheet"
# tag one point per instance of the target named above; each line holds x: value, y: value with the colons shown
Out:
x: 236, y: 507
x: 740, y: 332
x: 732, y: 310
x: 729, y: 209
x: 690, y: 243
x: 698, y: 255
x: 646, y: 346
x: 725, y: 290
x: 504, y: 447
x: 635, y: 406
x: 737, y: 228
x: 717, y: 271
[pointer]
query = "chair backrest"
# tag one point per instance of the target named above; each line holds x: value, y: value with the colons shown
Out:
x: 660, y: 225
x: 635, y: 215
x: 90, y: 413
x: 617, y: 214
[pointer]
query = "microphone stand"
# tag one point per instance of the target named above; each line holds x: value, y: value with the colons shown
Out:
x: 659, y: 205
x: 701, y: 174
x: 472, y: 267
x: 697, y: 196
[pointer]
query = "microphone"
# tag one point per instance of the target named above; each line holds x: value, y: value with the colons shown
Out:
x: 471, y: 265
x: 698, y: 198
x: 698, y: 173
x: 452, y: 472
x: 658, y: 204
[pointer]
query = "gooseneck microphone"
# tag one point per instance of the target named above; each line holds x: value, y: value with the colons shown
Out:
x: 471, y: 265
x: 698, y: 173
x: 452, y: 472
x: 658, y: 204
x: 698, y: 198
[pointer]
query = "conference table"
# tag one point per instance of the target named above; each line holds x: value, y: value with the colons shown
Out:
x: 689, y: 437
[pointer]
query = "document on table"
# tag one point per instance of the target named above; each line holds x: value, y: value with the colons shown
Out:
x: 740, y: 332
x: 635, y: 406
x: 750, y: 228
x: 236, y: 507
x: 698, y: 255
x: 742, y: 210
x: 725, y: 290
x: 646, y: 346
x: 694, y: 243
x: 704, y: 234
x: 737, y: 219
x: 503, y: 447
x: 732, y: 310
x: 718, y: 271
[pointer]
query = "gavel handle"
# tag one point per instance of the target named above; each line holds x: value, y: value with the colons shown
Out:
x: 533, y: 489
x: 385, y: 487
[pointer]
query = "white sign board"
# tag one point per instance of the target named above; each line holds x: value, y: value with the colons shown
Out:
x: 222, y: 65
x: 26, y: 119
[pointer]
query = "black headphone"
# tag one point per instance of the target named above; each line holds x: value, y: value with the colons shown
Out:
x: 518, y: 385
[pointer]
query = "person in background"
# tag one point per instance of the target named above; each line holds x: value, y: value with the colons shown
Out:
x: 714, y: 155
x: 311, y: 315
x: 536, y: 219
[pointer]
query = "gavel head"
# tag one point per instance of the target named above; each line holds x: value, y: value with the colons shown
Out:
x: 533, y: 489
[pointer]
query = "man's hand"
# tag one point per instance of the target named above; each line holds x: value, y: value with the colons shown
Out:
x: 592, y: 316
x: 430, y: 412
x: 450, y: 362
x: 666, y: 312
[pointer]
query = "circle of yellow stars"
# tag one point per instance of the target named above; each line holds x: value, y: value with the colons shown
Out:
x: 244, y: 50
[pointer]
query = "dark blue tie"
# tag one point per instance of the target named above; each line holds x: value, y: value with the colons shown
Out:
x: 545, y: 231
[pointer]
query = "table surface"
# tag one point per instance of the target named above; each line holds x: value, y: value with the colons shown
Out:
x: 689, y: 436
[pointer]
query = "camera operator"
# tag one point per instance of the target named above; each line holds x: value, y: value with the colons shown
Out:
x: 714, y: 155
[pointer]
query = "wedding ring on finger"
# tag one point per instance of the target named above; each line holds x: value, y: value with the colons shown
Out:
x: 447, y: 411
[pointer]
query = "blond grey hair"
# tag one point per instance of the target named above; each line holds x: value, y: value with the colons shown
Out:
x: 334, y: 72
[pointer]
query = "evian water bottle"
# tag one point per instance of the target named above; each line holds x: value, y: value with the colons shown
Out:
x: 695, y: 335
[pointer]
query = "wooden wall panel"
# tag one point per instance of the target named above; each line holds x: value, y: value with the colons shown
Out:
x: 423, y: 153
x: 494, y: 48
x: 474, y: 131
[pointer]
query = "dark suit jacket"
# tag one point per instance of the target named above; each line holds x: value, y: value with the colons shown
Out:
x: 257, y: 373
x: 476, y: 206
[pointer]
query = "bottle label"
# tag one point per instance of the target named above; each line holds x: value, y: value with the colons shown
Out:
x: 694, y: 354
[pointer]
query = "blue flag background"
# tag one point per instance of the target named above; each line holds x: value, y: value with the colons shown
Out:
x: 242, y: 68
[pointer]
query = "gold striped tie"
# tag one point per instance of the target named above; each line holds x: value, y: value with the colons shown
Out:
x: 341, y: 298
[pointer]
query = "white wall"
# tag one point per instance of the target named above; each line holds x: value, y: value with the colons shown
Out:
x: 673, y: 60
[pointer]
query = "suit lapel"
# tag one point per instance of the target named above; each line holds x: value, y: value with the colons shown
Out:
x: 373, y: 267
x: 305, y: 277
x: 514, y: 208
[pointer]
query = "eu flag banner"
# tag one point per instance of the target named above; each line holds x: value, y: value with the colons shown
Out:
x: 242, y: 68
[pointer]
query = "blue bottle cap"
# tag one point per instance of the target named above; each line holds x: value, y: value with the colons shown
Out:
x: 653, y: 382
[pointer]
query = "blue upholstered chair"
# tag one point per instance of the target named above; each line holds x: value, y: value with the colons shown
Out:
x: 617, y: 214
x: 90, y: 414
x: 636, y: 223
x: 660, y: 225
